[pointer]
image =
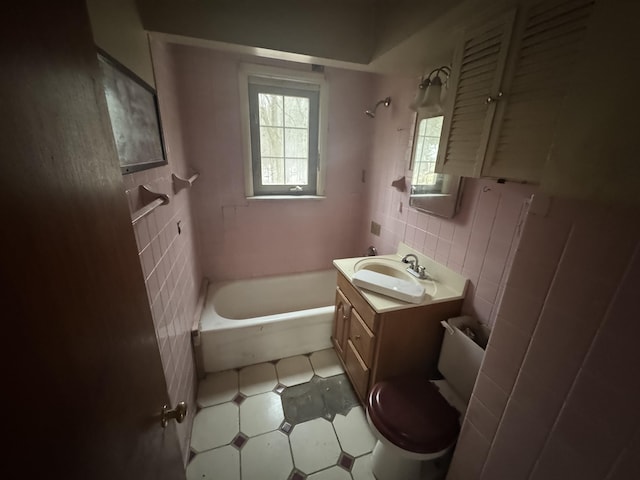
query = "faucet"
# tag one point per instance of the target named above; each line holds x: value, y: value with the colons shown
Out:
x: 414, y: 268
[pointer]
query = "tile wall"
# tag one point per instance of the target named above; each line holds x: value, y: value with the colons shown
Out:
x: 243, y: 239
x: 477, y: 243
x: 168, y: 254
x: 557, y: 393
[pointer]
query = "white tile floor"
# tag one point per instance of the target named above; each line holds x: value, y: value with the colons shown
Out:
x: 240, y: 433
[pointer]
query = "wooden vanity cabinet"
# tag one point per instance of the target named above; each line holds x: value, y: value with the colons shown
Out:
x: 374, y: 346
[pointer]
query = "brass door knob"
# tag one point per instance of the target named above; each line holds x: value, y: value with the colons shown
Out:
x: 179, y: 413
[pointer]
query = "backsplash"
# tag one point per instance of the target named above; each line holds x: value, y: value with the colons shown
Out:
x: 477, y: 243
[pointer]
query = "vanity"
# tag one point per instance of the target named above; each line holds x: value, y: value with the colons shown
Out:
x: 377, y: 336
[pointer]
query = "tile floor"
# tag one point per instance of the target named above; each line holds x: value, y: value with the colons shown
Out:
x: 294, y: 419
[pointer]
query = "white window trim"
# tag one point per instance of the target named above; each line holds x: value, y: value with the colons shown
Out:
x: 245, y: 71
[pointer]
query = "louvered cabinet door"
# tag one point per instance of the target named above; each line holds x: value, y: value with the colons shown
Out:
x: 476, y: 75
x: 547, y: 38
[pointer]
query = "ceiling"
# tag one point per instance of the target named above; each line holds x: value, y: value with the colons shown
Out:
x: 403, y: 37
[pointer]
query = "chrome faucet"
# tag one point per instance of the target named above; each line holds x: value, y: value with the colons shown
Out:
x: 414, y: 267
x: 413, y: 263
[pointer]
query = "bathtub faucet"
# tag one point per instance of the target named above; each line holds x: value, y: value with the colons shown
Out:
x: 414, y: 267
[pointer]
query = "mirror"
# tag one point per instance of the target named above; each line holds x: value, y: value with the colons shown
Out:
x: 431, y: 192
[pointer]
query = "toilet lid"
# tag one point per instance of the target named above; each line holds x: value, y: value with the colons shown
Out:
x: 411, y: 413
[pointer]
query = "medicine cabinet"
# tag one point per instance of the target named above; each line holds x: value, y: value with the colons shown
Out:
x: 431, y: 192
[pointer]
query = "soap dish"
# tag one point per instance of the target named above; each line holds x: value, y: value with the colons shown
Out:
x: 390, y: 286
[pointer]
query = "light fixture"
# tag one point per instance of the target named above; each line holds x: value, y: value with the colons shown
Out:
x: 417, y: 100
x: 428, y: 99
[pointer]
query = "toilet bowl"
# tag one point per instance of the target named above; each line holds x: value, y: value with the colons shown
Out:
x: 416, y: 420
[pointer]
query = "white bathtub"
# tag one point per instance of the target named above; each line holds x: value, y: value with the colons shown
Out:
x: 251, y: 321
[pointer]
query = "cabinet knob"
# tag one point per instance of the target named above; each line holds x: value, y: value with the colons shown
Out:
x: 357, y: 337
x: 491, y: 100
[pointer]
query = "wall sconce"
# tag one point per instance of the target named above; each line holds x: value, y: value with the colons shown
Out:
x: 428, y: 99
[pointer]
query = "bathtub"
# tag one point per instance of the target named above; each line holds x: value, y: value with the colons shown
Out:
x: 251, y: 321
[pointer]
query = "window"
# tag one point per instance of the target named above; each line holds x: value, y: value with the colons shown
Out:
x: 283, y: 113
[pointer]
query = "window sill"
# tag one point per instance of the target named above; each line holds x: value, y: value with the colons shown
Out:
x: 287, y: 197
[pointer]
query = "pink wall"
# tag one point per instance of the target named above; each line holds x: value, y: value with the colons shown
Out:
x: 240, y: 238
x: 477, y: 242
x: 557, y: 393
x: 168, y: 259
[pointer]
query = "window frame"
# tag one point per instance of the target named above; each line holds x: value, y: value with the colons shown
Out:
x: 283, y: 78
x: 313, y: 131
x: 421, y: 189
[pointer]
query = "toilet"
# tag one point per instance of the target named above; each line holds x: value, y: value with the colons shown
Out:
x: 416, y: 420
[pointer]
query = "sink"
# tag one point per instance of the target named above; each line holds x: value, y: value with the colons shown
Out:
x: 407, y: 287
x: 386, y: 267
x: 388, y: 277
x: 442, y: 284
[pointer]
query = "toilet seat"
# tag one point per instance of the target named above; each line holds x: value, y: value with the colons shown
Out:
x: 411, y: 414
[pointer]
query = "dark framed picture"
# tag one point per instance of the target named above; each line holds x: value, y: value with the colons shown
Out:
x: 135, y: 117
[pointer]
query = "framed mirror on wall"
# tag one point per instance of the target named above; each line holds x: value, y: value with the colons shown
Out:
x: 433, y: 193
x: 135, y: 117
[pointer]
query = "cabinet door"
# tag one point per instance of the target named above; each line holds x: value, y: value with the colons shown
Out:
x: 547, y: 38
x: 476, y: 77
x: 362, y: 338
x: 357, y: 370
x: 341, y: 320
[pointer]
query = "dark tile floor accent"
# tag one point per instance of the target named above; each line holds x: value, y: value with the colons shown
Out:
x: 297, y: 475
x: 239, y: 398
x: 321, y: 397
x: 346, y: 461
x: 286, y: 427
x: 279, y: 388
x: 239, y: 440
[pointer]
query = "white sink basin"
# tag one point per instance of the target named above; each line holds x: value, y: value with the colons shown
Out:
x: 386, y: 267
x: 390, y: 278
x: 444, y: 284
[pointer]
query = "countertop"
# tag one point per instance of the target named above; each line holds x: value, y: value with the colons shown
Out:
x: 446, y: 286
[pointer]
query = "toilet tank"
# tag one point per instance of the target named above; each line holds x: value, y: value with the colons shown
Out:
x: 460, y: 356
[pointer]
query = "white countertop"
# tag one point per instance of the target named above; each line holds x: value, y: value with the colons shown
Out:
x: 446, y: 286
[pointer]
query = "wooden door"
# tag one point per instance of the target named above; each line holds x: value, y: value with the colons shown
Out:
x: 82, y: 378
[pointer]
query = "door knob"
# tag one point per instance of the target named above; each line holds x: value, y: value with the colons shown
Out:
x: 179, y: 413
